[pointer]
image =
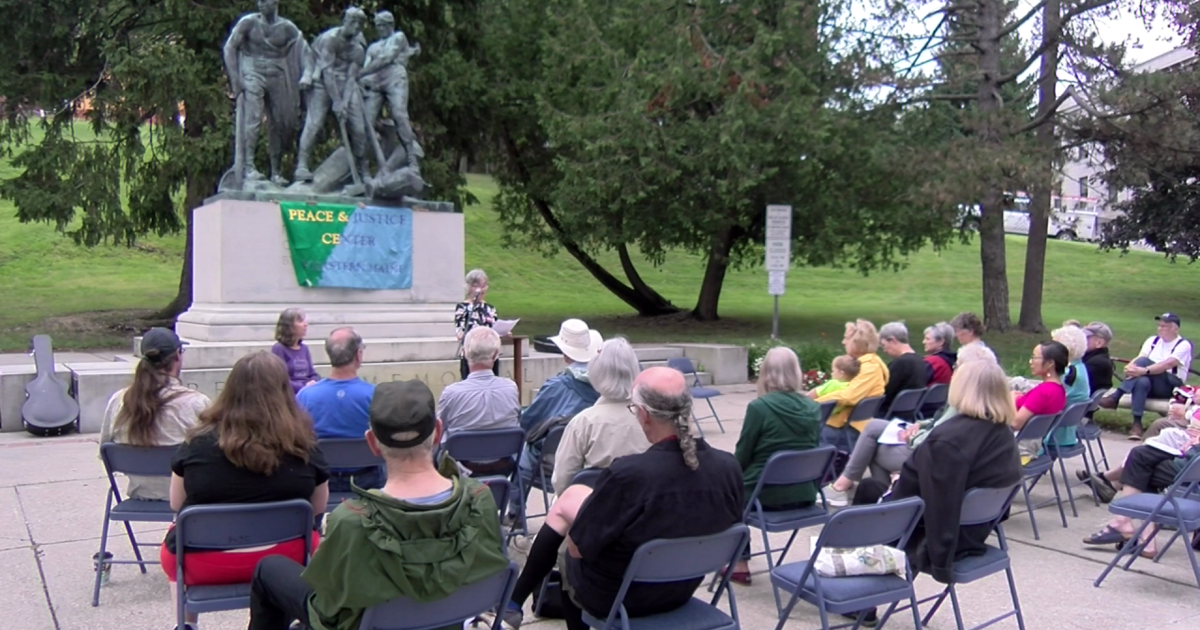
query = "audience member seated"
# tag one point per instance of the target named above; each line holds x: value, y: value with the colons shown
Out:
x: 254, y: 445
x: 972, y: 449
x: 1075, y: 379
x: 1159, y: 368
x: 1047, y: 364
x: 939, y: 358
x: 483, y: 401
x: 566, y: 394
x: 156, y: 410
x: 608, y: 429
x: 968, y: 329
x: 424, y: 535
x: 1183, y: 402
x: 338, y: 405
x: 1097, y: 361
x: 842, y: 371
x: 1149, y: 468
x: 860, y: 342
x: 780, y: 419
x: 289, y: 347
x: 1179, y: 416
x: 680, y: 487
x: 907, y: 369
x: 885, y: 460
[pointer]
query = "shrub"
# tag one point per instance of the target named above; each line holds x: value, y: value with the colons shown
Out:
x: 813, y: 356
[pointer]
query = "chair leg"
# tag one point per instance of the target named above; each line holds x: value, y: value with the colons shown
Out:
x: 1162, y: 552
x: 1029, y: 508
x: 787, y: 611
x: 1012, y: 589
x: 696, y: 419
x: 787, y: 547
x: 137, y: 553
x: 1103, y: 455
x: 1130, y: 547
x: 1195, y: 566
x: 100, y: 554
x: 933, y: 611
x: 1062, y: 466
x: 714, y: 413
x: 957, y: 611
x: 1090, y: 469
x: 770, y: 566
x: 1057, y: 497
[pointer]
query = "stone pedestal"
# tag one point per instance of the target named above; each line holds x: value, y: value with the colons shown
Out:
x: 243, y: 278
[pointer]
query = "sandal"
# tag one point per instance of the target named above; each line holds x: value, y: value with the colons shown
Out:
x: 1106, y: 536
x: 738, y: 577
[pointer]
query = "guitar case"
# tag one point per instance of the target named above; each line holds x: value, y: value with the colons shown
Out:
x: 48, y: 410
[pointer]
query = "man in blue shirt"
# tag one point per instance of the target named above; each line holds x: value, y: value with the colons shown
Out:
x: 338, y: 404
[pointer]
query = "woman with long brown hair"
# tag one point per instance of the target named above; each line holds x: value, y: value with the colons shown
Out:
x: 289, y: 346
x: 254, y: 445
x: 156, y: 410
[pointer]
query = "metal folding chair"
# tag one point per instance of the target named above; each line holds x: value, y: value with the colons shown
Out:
x: 1037, y: 428
x: 152, y: 461
x: 541, y: 481
x: 866, y: 409
x: 1177, y: 507
x: 501, y: 489
x: 787, y: 468
x: 472, y: 446
x: 935, y: 399
x: 684, y: 364
x: 1071, y: 417
x: 982, y: 506
x: 826, y: 411
x: 233, y: 526
x: 906, y: 405
x: 402, y: 613
x: 350, y: 454
x: 1090, y: 432
x: 888, y: 523
x: 676, y: 560
x: 588, y: 477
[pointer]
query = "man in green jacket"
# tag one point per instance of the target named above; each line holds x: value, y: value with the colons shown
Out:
x: 424, y: 535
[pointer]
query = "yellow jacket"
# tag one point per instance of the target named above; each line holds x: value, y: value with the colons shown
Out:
x: 872, y: 377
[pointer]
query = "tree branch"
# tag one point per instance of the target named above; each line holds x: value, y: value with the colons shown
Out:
x: 1012, y: 28
x: 1047, y: 115
x: 1037, y: 53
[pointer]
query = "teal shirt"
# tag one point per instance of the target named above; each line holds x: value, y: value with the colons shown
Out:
x: 1080, y: 391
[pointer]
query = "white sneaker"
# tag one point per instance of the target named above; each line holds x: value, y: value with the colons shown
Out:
x: 836, y: 498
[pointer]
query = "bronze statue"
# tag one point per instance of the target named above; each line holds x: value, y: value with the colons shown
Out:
x: 384, y: 78
x: 331, y: 77
x: 263, y: 57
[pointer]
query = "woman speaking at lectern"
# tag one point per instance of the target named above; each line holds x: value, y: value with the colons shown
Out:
x: 474, y: 311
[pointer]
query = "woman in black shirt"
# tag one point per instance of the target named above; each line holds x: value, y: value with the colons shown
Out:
x: 254, y: 445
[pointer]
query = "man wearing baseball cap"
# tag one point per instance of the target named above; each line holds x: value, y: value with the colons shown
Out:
x: 1159, y: 368
x: 424, y: 535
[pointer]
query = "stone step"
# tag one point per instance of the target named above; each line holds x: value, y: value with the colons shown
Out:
x: 656, y: 353
x: 216, y: 354
x: 706, y: 379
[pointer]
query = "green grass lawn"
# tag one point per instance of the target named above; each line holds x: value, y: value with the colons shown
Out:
x: 48, y: 281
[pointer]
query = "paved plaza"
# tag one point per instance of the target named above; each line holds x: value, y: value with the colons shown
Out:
x: 52, y: 500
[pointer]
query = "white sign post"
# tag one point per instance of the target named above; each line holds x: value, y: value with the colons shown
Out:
x: 779, y: 255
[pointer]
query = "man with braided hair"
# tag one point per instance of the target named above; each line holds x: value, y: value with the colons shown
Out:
x: 680, y: 487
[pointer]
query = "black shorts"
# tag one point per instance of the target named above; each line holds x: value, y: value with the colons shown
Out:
x: 1148, y: 469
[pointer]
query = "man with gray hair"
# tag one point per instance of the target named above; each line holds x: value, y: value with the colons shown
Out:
x: 483, y: 400
x: 678, y: 488
x: 338, y: 404
x: 907, y: 369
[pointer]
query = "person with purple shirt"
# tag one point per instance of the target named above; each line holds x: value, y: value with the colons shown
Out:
x: 289, y: 347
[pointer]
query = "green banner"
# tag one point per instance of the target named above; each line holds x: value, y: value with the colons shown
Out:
x: 356, y: 247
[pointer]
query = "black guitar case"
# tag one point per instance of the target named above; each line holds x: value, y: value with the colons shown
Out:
x: 48, y: 410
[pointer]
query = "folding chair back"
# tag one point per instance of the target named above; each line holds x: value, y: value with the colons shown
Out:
x: 348, y: 453
x: 468, y: 446
x: 935, y: 398
x: 786, y: 468
x: 1038, y: 427
x: 866, y: 409
x: 680, y: 559
x: 684, y: 364
x: 906, y: 404
x: 1072, y: 416
x: 149, y: 461
x: 888, y: 523
x: 827, y: 410
x: 500, y: 488
x: 587, y: 476
x: 986, y: 506
x: 402, y: 613
x: 234, y: 526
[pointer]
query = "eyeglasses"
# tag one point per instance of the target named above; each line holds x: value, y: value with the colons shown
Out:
x: 632, y: 409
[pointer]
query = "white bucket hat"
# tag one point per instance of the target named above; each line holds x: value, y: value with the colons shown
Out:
x: 577, y: 341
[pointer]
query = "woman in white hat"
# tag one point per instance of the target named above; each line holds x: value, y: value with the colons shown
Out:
x: 471, y: 312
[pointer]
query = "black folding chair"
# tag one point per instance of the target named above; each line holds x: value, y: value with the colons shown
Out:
x: 1071, y: 417
x: 153, y: 461
x: 1037, y: 428
x: 906, y: 405
x: 541, y: 481
x: 402, y: 613
x: 493, y: 444
x: 935, y: 399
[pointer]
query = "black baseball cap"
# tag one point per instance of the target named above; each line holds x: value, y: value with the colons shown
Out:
x: 1170, y: 318
x: 160, y: 344
x: 402, y: 407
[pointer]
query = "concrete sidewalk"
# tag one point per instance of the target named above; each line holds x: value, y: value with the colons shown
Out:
x: 52, y: 495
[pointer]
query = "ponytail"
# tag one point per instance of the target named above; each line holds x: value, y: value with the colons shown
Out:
x: 143, y: 401
x: 687, y: 443
x: 1072, y: 374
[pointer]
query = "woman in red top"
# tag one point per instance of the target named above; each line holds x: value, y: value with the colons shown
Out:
x: 939, y: 358
x: 1048, y: 362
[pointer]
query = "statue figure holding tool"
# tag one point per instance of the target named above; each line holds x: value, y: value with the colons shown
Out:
x: 384, y: 79
x: 263, y: 58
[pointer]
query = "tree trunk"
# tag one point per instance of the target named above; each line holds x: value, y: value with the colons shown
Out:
x: 1039, y: 207
x: 645, y: 305
x: 991, y: 216
x: 639, y: 285
x: 714, y: 275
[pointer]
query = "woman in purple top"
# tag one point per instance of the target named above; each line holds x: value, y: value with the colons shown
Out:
x: 289, y: 346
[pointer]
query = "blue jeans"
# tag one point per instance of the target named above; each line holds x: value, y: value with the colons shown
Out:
x: 843, y: 439
x: 1145, y: 387
x: 527, y: 467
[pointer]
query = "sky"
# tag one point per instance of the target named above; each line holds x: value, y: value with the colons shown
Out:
x: 1145, y: 41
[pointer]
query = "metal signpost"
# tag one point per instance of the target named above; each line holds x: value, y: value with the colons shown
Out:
x: 779, y: 255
